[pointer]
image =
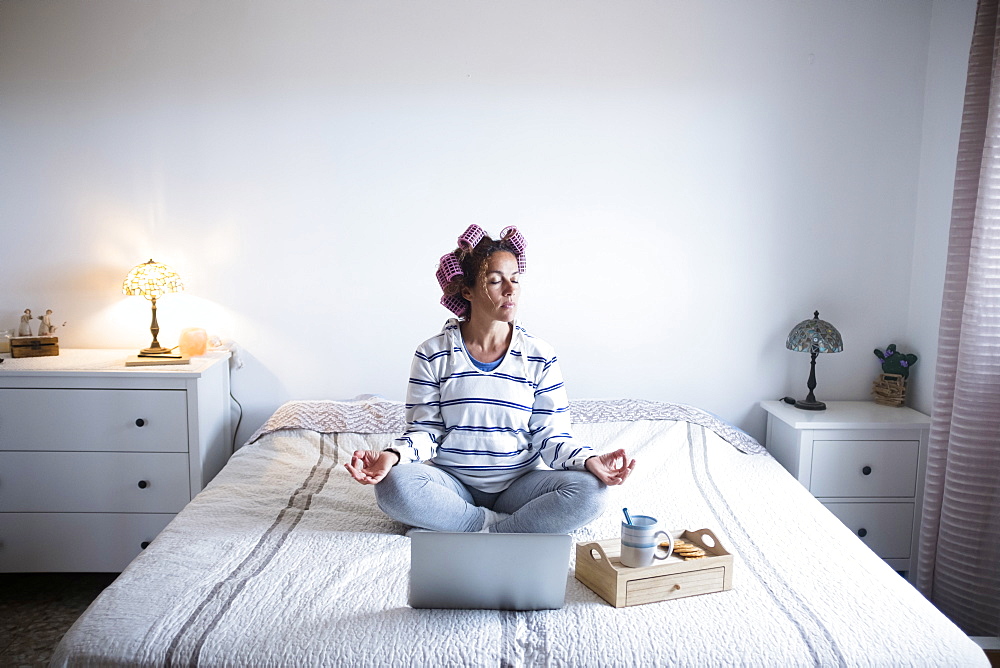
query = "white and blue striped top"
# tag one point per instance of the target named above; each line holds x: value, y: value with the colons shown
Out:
x: 488, y: 428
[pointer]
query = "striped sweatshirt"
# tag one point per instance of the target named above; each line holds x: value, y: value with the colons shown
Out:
x: 488, y: 428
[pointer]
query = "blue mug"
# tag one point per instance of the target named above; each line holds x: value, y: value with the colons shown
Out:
x: 640, y: 540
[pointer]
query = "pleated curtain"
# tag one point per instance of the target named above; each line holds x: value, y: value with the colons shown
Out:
x: 958, y: 563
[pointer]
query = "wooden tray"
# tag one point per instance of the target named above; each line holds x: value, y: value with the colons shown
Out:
x: 598, y: 566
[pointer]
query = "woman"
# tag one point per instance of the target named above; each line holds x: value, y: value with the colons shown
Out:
x: 485, y: 408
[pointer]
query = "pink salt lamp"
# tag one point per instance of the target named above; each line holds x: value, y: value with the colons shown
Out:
x: 193, y: 342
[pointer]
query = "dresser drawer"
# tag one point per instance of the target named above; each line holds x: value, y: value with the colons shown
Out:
x: 864, y: 468
x: 886, y: 528
x: 94, y: 482
x: 75, y: 419
x: 74, y: 542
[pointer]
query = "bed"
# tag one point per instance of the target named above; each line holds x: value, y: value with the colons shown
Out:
x: 283, y: 560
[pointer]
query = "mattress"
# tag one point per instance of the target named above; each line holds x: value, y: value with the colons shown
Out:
x: 284, y: 560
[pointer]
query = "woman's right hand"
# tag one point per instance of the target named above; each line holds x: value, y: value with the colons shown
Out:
x: 369, y: 466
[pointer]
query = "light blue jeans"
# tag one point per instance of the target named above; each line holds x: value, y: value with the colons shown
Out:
x: 540, y: 501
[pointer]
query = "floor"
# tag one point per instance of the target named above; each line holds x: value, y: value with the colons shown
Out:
x: 991, y: 646
x: 36, y: 609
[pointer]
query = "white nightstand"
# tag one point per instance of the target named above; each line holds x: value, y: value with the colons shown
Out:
x: 96, y: 457
x: 864, y: 462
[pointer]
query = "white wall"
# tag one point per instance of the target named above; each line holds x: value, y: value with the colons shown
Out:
x: 693, y: 178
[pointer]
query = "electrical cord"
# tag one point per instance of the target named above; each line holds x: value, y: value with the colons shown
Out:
x: 238, y: 420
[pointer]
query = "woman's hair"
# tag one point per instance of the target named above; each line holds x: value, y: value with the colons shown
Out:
x: 474, y: 262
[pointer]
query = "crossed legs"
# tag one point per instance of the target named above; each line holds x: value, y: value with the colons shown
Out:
x: 540, y: 501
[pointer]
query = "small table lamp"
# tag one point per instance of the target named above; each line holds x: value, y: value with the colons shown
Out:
x: 814, y: 336
x: 152, y: 280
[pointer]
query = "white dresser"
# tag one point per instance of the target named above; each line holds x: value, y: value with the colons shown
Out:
x: 864, y: 462
x: 96, y: 457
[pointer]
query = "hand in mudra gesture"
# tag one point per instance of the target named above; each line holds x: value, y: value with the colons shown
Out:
x: 369, y: 466
x: 611, y: 468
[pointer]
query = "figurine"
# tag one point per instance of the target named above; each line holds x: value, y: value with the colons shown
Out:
x: 25, y: 328
x: 46, y: 328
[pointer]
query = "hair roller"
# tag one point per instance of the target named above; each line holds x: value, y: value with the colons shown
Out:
x: 472, y: 236
x: 448, y: 269
x: 512, y: 236
x: 455, y: 304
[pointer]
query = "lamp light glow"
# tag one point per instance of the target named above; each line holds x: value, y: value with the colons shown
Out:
x: 152, y: 280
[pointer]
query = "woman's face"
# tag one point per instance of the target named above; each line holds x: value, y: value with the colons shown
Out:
x: 496, y: 292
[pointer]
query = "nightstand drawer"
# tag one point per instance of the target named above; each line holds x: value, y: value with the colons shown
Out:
x: 886, y: 528
x: 84, y: 419
x: 864, y: 468
x: 94, y: 482
x: 61, y: 542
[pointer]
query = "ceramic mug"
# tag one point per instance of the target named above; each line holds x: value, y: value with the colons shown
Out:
x: 640, y: 540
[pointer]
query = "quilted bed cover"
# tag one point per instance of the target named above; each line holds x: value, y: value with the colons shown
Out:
x: 283, y: 560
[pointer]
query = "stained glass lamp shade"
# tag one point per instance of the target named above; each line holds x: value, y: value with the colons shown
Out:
x: 152, y: 280
x: 814, y: 336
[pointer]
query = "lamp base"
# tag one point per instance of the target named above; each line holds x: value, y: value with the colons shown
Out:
x: 154, y: 351
x: 810, y: 405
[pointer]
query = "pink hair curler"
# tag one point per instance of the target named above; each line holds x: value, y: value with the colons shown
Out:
x: 455, y: 304
x: 512, y: 236
x: 472, y: 236
x: 448, y: 269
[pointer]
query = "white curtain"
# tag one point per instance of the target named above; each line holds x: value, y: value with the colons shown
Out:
x: 959, y: 557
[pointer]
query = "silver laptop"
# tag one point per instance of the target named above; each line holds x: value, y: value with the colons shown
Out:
x: 493, y: 571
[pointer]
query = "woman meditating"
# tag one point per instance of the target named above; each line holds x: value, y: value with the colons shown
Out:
x: 488, y: 444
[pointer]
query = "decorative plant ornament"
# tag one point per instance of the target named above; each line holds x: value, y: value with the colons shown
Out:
x: 889, y: 389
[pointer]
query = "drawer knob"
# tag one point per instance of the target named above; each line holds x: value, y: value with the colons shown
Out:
x: 143, y: 484
x: 862, y: 532
x: 144, y: 544
x: 867, y: 470
x: 140, y: 423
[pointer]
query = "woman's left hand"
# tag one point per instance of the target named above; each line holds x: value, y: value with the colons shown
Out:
x: 611, y: 468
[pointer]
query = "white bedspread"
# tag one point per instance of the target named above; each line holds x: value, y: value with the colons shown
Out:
x: 285, y: 561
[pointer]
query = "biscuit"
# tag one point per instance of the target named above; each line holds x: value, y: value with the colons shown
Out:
x: 686, y: 549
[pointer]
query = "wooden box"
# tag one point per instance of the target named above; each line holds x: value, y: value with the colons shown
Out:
x: 34, y: 346
x: 598, y: 566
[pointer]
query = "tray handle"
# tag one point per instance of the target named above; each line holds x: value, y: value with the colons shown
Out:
x: 600, y: 559
x: 712, y: 543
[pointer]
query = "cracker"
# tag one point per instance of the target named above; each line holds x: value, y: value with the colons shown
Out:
x: 686, y: 549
